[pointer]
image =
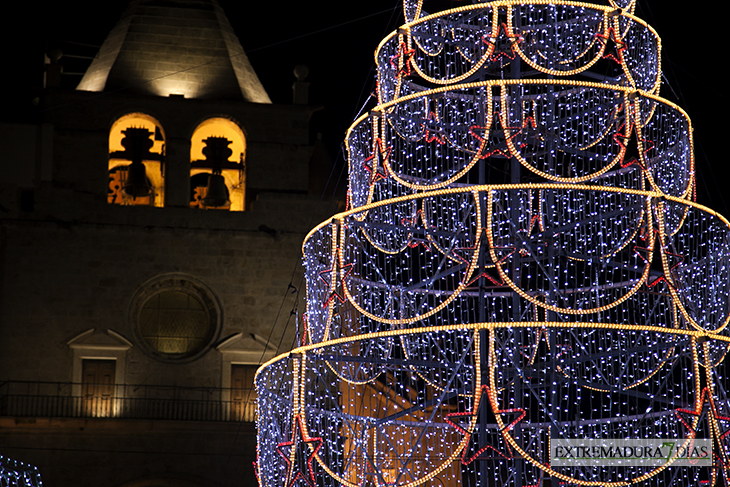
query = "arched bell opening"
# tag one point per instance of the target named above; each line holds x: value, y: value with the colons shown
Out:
x: 136, y: 161
x: 217, y: 166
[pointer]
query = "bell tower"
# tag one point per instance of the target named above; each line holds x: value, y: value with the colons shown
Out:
x: 142, y: 256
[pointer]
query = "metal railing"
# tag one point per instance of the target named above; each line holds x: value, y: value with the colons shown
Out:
x: 125, y: 401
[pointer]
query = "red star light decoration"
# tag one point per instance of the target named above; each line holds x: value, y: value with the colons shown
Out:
x: 634, y: 149
x: 498, y: 143
x: 497, y: 43
x: 433, y: 135
x: 338, y: 285
x: 401, y: 61
x: 706, y: 403
x: 488, y: 271
x: 375, y: 163
x: 299, y: 454
x: 645, y: 254
x: 305, y: 329
x: 613, y: 46
x: 467, y: 416
x: 413, y: 223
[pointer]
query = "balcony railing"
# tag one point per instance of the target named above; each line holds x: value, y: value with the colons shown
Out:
x: 126, y: 401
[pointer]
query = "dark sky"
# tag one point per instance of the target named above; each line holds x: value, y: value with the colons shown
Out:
x: 338, y: 44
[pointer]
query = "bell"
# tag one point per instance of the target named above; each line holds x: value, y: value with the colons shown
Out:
x: 216, y: 192
x: 136, y: 184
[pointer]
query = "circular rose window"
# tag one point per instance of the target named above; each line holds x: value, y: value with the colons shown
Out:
x: 175, y: 318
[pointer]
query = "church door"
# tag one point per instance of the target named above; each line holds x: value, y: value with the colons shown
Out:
x: 243, y: 395
x: 97, y: 386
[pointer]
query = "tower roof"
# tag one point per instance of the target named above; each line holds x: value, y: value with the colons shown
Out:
x: 164, y: 47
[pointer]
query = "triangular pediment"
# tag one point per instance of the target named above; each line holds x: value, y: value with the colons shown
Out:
x: 247, y: 348
x: 99, y: 340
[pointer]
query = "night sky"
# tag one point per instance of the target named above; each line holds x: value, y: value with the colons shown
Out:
x: 338, y: 44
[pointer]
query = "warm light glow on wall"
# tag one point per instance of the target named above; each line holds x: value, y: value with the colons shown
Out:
x: 235, y: 180
x: 167, y: 86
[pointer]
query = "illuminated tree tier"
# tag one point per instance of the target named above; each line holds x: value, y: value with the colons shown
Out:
x: 522, y: 260
x: 18, y: 474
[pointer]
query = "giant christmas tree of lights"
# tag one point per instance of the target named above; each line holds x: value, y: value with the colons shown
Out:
x: 521, y: 261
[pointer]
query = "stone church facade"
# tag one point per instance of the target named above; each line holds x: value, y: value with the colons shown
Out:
x: 151, y: 223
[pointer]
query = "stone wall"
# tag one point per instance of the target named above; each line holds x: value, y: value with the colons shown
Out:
x: 95, y: 452
x: 70, y: 262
